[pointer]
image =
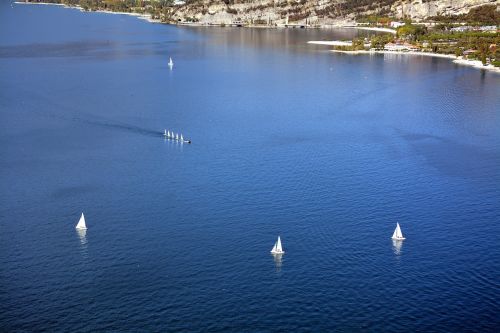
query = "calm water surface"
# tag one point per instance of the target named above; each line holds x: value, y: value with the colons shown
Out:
x: 328, y: 151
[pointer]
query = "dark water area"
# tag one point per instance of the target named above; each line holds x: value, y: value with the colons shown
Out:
x: 326, y: 150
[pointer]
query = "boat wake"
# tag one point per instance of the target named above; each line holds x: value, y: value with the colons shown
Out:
x: 124, y: 127
x: 83, y: 117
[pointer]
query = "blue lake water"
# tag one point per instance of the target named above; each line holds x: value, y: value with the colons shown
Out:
x: 329, y: 151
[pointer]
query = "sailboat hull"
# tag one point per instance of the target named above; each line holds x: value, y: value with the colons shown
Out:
x: 398, y: 238
x: 277, y: 252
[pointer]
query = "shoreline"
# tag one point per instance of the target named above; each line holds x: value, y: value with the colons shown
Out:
x: 39, y: 3
x: 457, y: 60
x: 147, y: 17
x: 330, y: 43
x: 413, y: 53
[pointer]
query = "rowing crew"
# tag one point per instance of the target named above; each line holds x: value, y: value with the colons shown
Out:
x: 171, y: 136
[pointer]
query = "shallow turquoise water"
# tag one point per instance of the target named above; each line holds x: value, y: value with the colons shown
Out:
x: 326, y: 150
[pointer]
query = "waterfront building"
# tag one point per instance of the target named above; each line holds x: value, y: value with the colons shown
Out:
x: 400, y: 47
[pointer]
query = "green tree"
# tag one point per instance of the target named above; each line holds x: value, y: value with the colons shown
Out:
x: 379, y: 41
x: 358, y: 44
x: 411, y: 32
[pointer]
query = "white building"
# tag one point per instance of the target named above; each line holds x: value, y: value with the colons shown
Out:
x: 461, y: 29
x: 400, y: 47
x: 492, y: 28
x: 396, y: 25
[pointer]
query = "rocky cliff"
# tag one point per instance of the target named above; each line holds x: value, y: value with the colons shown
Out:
x: 420, y: 9
x: 314, y: 12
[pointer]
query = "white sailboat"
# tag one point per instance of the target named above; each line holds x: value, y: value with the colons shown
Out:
x: 277, y: 249
x: 165, y: 134
x: 398, y: 235
x: 81, y: 223
x: 182, y: 139
x: 170, y: 62
x: 177, y: 136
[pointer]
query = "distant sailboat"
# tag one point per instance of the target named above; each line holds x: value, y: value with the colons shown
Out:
x: 177, y: 136
x: 170, y: 63
x: 81, y: 223
x: 182, y: 139
x: 398, y: 235
x: 165, y: 134
x: 277, y: 249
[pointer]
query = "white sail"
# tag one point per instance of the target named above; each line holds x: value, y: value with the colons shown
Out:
x: 177, y: 136
x: 278, y: 245
x: 165, y: 133
x: 182, y: 139
x: 168, y: 134
x: 81, y: 223
x: 398, y: 235
x: 170, y: 62
x: 277, y: 249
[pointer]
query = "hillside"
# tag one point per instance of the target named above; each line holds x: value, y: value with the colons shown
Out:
x: 314, y: 12
x: 283, y: 12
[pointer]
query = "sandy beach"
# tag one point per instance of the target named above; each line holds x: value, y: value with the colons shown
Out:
x: 476, y: 64
x: 330, y: 43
